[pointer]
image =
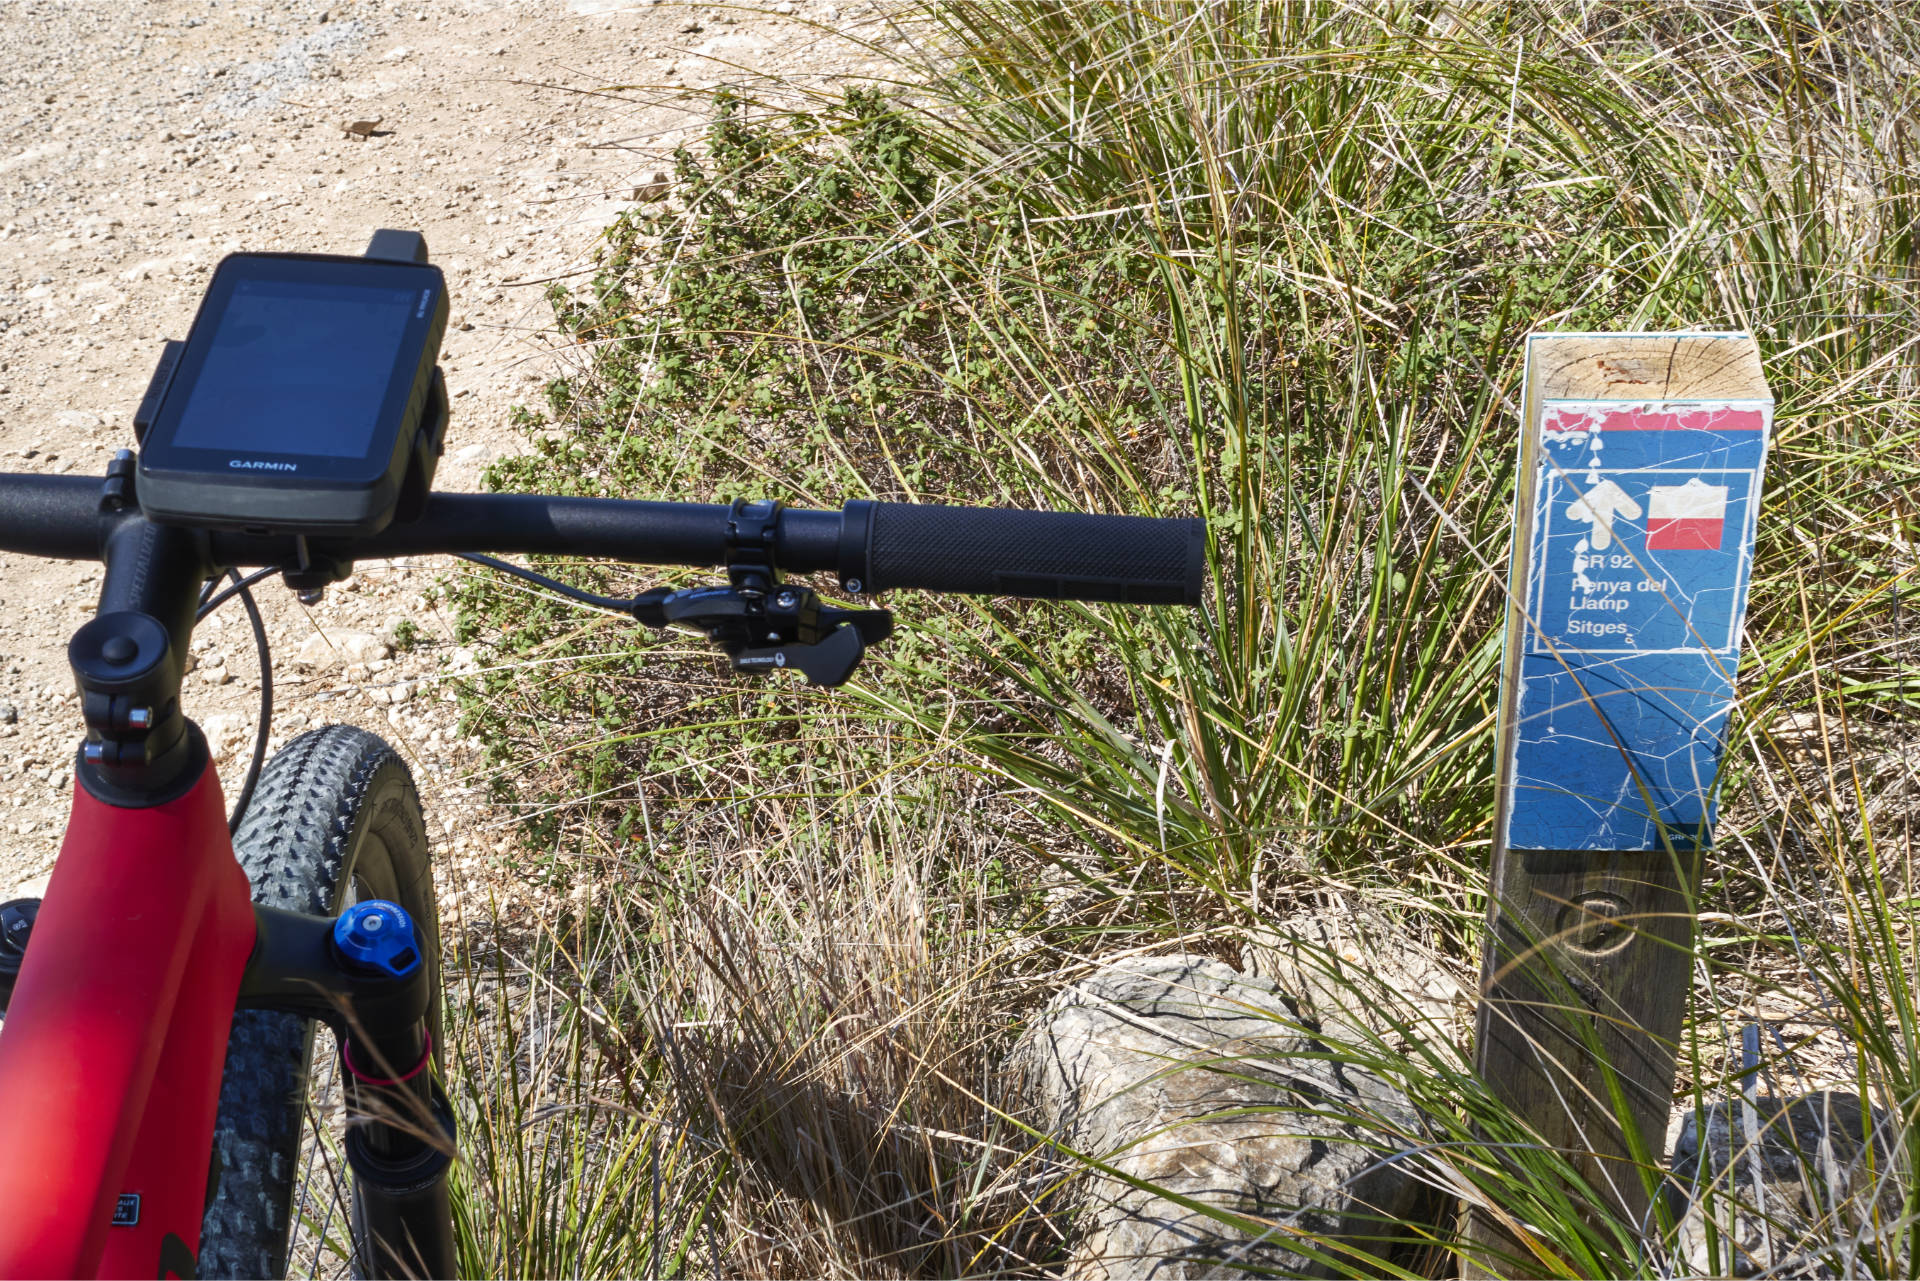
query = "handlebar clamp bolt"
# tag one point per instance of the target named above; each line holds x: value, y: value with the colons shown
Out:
x: 785, y: 600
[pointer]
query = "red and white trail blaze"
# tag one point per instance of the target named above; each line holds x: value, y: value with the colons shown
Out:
x: 1689, y: 517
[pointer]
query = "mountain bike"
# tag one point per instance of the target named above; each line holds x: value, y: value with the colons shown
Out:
x: 160, y: 1001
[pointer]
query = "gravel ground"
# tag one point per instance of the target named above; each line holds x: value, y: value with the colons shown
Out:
x: 141, y: 141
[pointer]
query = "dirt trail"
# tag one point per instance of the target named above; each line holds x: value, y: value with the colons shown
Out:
x: 141, y: 141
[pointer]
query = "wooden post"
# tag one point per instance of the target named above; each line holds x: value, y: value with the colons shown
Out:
x: 1635, y: 505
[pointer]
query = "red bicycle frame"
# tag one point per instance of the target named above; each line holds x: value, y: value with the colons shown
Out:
x: 115, y: 1037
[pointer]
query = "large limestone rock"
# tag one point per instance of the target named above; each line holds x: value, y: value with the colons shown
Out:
x: 1351, y: 967
x: 1185, y: 1075
x: 1800, y: 1187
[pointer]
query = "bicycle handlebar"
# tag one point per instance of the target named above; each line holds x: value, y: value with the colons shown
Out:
x: 871, y: 546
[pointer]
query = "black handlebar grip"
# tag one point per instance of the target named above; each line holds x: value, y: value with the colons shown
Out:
x: 53, y: 516
x: 996, y: 551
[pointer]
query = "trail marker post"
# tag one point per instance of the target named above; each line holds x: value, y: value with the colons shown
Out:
x: 1637, y: 493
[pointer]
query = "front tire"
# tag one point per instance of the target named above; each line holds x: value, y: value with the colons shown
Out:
x: 335, y: 814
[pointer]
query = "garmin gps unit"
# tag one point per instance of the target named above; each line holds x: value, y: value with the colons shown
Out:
x: 305, y: 399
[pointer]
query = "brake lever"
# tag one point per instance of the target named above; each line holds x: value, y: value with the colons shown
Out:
x: 784, y: 629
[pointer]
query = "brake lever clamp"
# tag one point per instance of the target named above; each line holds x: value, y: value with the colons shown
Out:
x: 763, y: 624
x: 783, y: 628
x: 751, y: 529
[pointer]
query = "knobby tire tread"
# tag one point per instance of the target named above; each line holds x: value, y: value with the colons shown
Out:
x: 335, y: 807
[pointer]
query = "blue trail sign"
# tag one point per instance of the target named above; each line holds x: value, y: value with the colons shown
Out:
x: 1640, y: 543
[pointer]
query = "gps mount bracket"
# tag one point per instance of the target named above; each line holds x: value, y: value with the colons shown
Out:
x: 762, y: 623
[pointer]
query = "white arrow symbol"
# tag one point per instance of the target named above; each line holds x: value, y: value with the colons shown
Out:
x: 1602, y: 503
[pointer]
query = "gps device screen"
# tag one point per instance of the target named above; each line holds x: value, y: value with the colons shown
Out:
x: 302, y: 398
x: 297, y: 368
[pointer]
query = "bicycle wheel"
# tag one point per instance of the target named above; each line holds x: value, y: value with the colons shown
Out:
x: 335, y: 814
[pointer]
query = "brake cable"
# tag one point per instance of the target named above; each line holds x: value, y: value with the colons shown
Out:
x: 243, y: 588
x: 618, y: 604
x: 760, y: 622
x: 209, y: 604
x: 700, y: 608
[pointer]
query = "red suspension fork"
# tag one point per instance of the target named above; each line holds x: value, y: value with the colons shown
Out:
x: 112, y: 1047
